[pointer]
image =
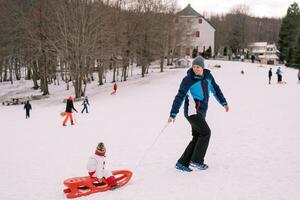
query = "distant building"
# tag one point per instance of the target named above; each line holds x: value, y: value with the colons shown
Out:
x: 264, y: 52
x: 198, y: 32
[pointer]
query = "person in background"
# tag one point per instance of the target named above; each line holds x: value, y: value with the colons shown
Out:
x: 270, y: 75
x: 115, y: 87
x: 27, y: 107
x: 69, y: 108
x: 85, y: 104
x: 279, y: 75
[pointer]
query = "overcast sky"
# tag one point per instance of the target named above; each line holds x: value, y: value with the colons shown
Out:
x: 267, y: 8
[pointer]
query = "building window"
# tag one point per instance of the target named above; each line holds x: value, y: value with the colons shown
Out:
x: 197, y: 33
x: 189, y: 20
x: 200, y: 21
x: 176, y: 21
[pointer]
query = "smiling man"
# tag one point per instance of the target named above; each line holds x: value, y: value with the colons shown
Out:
x: 194, y: 91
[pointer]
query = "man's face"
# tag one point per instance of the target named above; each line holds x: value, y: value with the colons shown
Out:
x: 198, y: 70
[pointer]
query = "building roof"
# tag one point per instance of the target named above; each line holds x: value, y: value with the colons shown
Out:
x: 189, y: 11
x: 259, y: 44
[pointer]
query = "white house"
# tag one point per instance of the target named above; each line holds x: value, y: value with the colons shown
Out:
x: 266, y: 53
x: 198, y: 32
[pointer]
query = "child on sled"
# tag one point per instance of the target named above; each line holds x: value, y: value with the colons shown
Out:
x: 96, y: 167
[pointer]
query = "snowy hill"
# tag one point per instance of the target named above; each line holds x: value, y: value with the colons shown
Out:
x: 253, y: 152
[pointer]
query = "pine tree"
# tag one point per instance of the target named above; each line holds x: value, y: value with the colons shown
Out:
x: 208, y: 52
x: 195, y: 53
x: 225, y: 51
x: 288, y: 35
x: 297, y: 53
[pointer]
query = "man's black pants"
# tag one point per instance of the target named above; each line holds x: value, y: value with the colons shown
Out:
x: 196, y: 149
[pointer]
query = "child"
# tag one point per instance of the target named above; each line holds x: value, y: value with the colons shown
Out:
x: 85, y: 104
x: 69, y: 108
x: 27, y: 107
x: 115, y: 87
x: 96, y: 167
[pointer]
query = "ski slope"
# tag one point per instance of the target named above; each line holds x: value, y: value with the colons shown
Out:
x: 253, y: 152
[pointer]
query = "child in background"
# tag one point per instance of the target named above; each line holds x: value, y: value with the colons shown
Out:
x: 69, y: 108
x: 27, y: 107
x: 115, y: 87
x: 85, y: 104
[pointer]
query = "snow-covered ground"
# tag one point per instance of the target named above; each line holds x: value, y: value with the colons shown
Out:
x: 253, y: 152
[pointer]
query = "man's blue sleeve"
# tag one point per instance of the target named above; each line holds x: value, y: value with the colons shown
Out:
x: 179, y: 98
x: 215, y: 89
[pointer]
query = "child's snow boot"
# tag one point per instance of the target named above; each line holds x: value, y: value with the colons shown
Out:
x: 112, y: 182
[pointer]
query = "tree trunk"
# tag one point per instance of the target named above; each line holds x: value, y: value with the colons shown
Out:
x: 162, y: 63
x: 17, y: 69
x: 143, y: 70
x: 124, y: 73
x: 100, y: 72
x: 35, y: 75
x: 114, y: 72
x: 44, y: 81
x: 10, y: 71
x: 5, y: 70
x: 78, y: 85
x: 29, y: 73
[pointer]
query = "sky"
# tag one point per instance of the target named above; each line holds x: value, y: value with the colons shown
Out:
x: 259, y: 8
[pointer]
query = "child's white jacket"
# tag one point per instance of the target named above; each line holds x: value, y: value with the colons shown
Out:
x: 96, y: 167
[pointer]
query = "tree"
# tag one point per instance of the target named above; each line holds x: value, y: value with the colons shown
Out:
x: 289, y: 33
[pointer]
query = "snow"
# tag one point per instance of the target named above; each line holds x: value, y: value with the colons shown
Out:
x: 253, y: 152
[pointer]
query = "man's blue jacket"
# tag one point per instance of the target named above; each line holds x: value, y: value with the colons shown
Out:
x: 194, y: 91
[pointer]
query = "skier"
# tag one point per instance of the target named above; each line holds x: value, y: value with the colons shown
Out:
x: 69, y: 108
x: 194, y: 90
x: 115, y: 87
x: 85, y: 105
x: 96, y: 167
x: 279, y: 75
x: 270, y: 75
x: 27, y: 107
x: 299, y: 76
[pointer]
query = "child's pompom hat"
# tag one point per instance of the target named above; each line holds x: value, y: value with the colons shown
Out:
x: 100, y: 150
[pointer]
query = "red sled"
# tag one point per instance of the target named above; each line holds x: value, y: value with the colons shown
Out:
x: 83, y: 186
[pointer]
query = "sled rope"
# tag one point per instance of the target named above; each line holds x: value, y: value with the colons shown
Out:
x: 150, y: 147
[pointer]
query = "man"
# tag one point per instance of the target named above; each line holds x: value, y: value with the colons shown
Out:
x: 270, y: 75
x: 194, y: 90
x: 279, y: 75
